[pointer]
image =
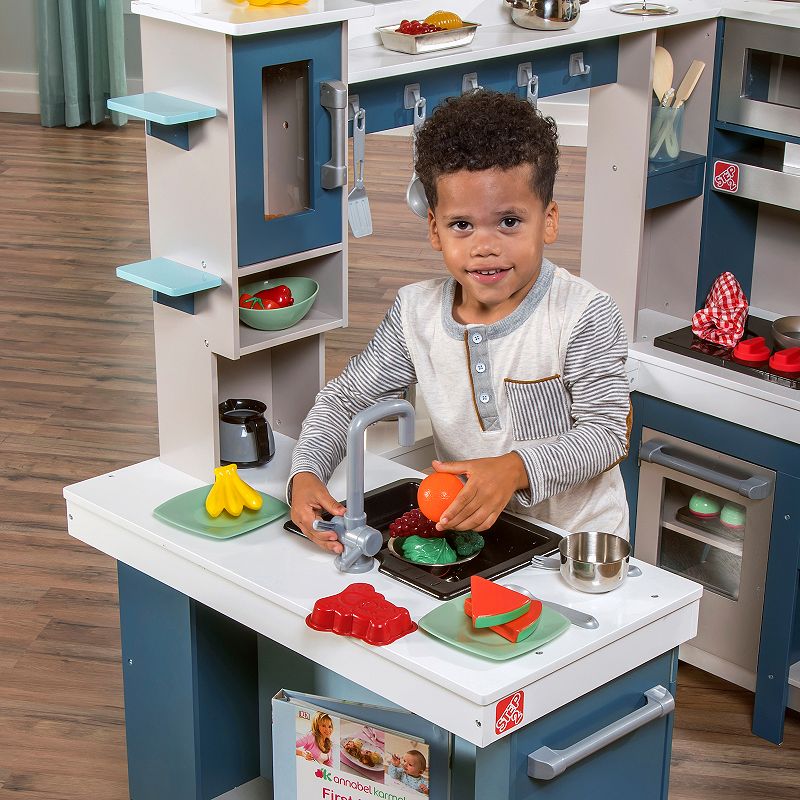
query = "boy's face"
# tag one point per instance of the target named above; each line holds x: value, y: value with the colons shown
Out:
x: 491, y: 229
x: 412, y: 766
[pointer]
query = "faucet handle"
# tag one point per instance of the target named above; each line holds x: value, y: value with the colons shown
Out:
x: 335, y: 524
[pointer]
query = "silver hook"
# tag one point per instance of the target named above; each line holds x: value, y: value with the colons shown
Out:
x: 352, y: 106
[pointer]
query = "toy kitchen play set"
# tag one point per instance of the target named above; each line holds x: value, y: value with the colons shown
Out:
x: 228, y: 620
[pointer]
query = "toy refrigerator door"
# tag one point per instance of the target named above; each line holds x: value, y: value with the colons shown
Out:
x: 283, y: 137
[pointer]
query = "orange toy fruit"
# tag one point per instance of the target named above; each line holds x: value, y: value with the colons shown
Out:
x: 436, y: 492
x: 444, y: 19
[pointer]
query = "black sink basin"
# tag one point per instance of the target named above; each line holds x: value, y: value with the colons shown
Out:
x: 510, y: 544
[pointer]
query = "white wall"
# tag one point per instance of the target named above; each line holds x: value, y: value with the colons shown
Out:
x: 19, y: 89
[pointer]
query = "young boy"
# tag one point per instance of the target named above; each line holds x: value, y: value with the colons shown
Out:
x: 521, y: 364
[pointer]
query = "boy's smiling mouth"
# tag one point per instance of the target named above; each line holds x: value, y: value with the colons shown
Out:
x: 488, y: 275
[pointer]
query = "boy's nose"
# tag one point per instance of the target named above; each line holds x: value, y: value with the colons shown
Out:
x: 486, y: 245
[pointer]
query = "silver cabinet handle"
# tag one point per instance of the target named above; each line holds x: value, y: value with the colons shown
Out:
x: 754, y: 487
x: 546, y: 764
x: 333, y: 98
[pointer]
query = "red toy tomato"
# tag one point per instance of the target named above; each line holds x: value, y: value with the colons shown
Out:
x: 436, y: 493
x: 249, y: 301
x: 281, y: 295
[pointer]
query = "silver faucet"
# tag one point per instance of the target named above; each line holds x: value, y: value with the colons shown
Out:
x: 361, y: 542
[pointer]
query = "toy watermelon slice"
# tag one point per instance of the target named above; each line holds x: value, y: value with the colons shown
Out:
x: 493, y: 604
x: 518, y: 629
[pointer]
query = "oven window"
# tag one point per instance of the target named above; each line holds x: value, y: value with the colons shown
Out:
x: 772, y: 78
x: 285, y: 126
x: 702, y: 538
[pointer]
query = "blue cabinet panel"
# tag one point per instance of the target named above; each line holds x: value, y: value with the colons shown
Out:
x: 635, y: 767
x: 258, y: 238
x: 779, y: 645
x: 674, y: 181
x: 191, y: 694
x: 384, y: 99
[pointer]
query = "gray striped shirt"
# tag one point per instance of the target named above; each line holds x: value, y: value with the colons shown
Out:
x: 547, y: 382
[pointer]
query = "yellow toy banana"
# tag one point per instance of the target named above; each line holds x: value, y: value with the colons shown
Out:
x: 230, y: 493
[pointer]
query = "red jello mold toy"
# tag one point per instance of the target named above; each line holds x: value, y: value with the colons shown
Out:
x: 361, y: 612
x: 787, y: 361
x: 752, y: 351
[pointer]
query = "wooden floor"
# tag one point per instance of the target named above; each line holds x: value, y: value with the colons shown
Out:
x: 77, y: 398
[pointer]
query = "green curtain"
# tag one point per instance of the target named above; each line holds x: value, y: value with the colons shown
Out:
x: 81, y: 47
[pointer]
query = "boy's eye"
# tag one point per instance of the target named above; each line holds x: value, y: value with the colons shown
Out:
x: 460, y: 225
x: 509, y: 222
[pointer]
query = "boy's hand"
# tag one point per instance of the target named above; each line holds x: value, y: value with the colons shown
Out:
x: 491, y: 483
x: 395, y: 759
x: 310, y: 497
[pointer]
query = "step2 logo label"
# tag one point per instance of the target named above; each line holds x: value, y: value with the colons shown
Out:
x: 726, y: 176
x: 509, y: 712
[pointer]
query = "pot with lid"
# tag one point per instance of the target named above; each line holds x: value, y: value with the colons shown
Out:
x: 545, y: 15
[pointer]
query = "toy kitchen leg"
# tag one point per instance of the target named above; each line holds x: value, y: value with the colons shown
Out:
x: 198, y: 692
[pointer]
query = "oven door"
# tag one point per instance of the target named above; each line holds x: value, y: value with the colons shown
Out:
x: 760, y: 78
x: 707, y: 516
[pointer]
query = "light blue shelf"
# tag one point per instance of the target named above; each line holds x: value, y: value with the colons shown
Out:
x: 173, y: 284
x: 166, y: 118
x: 161, y: 108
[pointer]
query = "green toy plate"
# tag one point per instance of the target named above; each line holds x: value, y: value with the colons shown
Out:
x: 188, y: 511
x: 449, y: 623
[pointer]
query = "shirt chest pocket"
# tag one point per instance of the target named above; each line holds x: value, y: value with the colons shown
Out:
x: 539, y: 409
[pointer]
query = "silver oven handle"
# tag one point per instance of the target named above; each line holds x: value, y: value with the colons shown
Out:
x: 546, y: 764
x: 754, y: 487
x: 333, y: 98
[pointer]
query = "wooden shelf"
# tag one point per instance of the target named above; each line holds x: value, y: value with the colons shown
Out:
x: 252, y: 340
x: 673, y: 181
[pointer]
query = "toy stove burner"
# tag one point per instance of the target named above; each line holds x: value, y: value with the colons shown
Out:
x: 685, y: 343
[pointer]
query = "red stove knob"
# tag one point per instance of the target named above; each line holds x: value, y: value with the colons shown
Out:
x: 787, y: 361
x: 752, y: 351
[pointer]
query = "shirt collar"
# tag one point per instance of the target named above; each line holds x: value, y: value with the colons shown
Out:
x: 503, y: 326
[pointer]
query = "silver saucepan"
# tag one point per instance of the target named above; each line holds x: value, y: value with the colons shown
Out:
x: 594, y: 562
x: 545, y: 15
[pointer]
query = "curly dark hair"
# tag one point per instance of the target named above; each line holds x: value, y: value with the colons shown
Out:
x: 485, y: 130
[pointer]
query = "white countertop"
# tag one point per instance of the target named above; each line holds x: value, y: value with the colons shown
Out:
x: 241, y: 19
x: 269, y: 579
x: 745, y: 400
x: 497, y: 36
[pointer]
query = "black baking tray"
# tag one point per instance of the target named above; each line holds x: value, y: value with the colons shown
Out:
x: 510, y: 544
x: 685, y: 343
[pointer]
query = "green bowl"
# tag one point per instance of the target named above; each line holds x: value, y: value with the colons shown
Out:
x: 304, y: 291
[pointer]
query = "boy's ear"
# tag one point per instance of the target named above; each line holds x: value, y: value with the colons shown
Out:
x: 551, y: 223
x: 433, y: 232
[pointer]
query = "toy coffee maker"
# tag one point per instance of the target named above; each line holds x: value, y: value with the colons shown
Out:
x: 245, y: 436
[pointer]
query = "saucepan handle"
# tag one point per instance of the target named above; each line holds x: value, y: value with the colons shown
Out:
x: 545, y: 763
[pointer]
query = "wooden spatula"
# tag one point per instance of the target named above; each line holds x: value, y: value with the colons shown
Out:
x: 689, y: 82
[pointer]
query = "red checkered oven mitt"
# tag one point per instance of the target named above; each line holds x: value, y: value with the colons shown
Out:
x: 723, y: 318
